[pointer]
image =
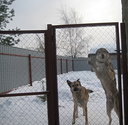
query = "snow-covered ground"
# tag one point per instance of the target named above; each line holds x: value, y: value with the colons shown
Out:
x: 31, y: 110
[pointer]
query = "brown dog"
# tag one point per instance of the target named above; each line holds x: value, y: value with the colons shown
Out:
x: 80, y: 98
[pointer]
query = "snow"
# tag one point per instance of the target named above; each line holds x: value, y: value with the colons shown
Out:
x: 31, y: 110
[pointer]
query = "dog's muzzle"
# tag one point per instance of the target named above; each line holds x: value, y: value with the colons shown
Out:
x: 75, y: 89
x: 102, y: 56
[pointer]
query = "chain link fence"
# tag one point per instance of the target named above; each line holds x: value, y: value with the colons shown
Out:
x: 22, y: 64
x: 24, y: 97
x: 77, y: 43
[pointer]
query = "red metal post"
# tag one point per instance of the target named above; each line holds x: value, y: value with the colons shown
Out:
x: 51, y: 76
x: 119, y: 73
x: 72, y: 65
x: 66, y: 65
x: 30, y: 70
x: 125, y: 72
x: 61, y: 66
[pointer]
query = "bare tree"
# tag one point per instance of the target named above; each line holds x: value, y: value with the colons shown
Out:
x: 71, y: 41
x: 40, y: 41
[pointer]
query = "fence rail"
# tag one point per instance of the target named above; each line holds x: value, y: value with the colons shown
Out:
x: 64, y: 65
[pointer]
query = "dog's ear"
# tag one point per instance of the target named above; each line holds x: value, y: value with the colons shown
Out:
x: 78, y: 80
x: 69, y: 83
x: 89, y: 90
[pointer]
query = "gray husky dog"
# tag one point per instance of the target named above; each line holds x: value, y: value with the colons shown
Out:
x: 103, y: 68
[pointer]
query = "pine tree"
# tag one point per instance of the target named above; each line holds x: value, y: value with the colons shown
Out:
x: 6, y: 15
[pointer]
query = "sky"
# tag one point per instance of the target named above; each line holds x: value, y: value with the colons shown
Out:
x: 36, y: 14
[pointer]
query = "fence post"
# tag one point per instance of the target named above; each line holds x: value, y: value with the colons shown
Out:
x: 61, y: 66
x: 119, y: 74
x: 30, y: 69
x: 51, y: 76
x: 72, y: 65
x: 125, y: 72
x: 66, y: 65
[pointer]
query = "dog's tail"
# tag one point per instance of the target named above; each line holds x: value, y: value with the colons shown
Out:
x: 89, y: 90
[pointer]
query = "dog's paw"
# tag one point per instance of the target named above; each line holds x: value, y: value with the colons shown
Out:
x: 73, y: 122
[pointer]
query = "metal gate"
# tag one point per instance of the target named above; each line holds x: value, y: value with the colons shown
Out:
x: 52, y: 98
x: 23, y: 85
x: 98, y: 35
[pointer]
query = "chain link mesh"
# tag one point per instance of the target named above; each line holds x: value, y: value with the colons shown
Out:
x: 76, y: 44
x: 23, y: 71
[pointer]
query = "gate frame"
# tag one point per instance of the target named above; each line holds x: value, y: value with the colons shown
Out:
x: 23, y: 32
x: 51, y: 76
x: 5, y: 94
x: 125, y: 71
x: 116, y: 24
